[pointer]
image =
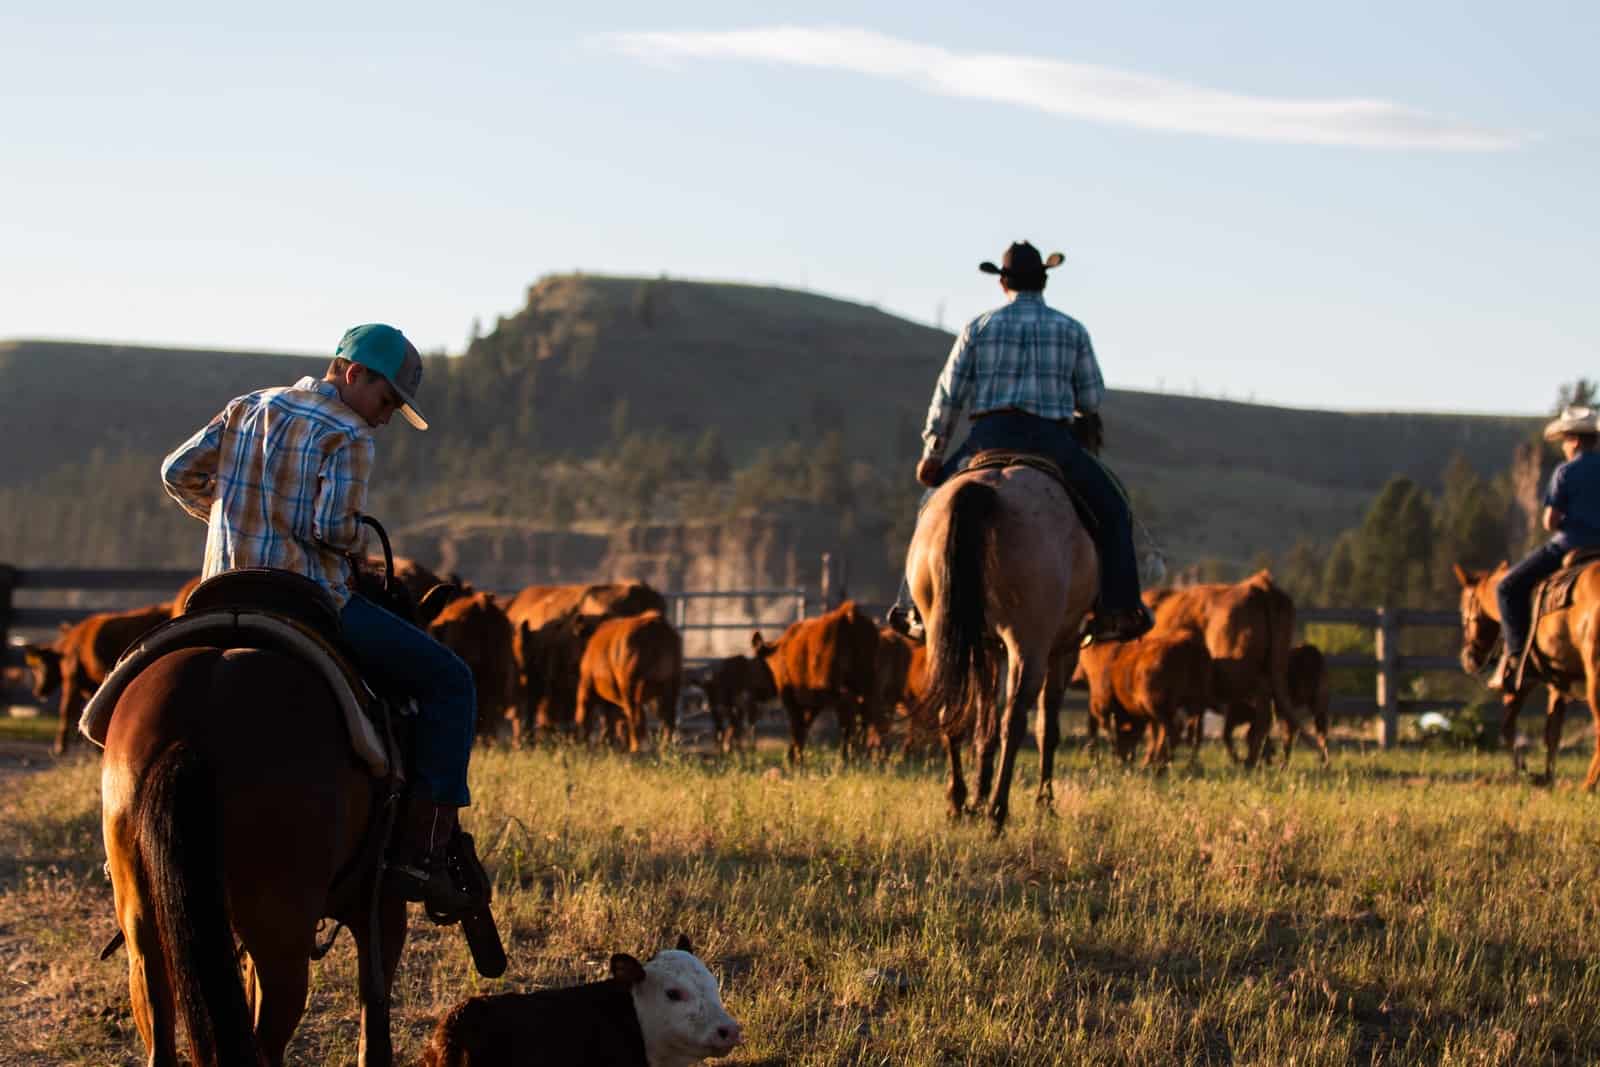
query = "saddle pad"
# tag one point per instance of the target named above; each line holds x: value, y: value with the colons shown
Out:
x: 1550, y: 596
x: 1555, y: 593
x: 226, y: 628
x: 997, y: 458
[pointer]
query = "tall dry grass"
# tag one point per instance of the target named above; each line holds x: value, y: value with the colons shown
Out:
x: 1400, y: 908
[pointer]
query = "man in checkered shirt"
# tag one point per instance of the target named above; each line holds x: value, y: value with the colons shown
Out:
x: 1026, y: 372
x: 280, y: 478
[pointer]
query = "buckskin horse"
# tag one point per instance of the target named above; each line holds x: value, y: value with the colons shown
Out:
x: 233, y: 805
x: 1564, y: 645
x: 999, y: 559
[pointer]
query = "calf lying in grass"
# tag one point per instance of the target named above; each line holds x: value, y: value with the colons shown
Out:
x: 664, y: 1013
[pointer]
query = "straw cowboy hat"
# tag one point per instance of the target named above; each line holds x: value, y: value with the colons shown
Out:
x: 1022, y: 263
x: 1577, y: 419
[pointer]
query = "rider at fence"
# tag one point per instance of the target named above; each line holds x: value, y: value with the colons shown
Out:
x: 280, y: 478
x: 1571, y: 513
x: 1026, y: 371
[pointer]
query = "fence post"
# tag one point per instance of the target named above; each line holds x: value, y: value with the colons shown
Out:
x: 1388, y: 681
x: 8, y: 582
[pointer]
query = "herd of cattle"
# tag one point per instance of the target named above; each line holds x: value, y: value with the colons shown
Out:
x: 561, y: 658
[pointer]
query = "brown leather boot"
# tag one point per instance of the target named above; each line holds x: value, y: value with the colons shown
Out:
x: 417, y: 867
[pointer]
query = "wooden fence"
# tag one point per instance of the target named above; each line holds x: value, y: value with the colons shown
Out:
x: 1388, y: 625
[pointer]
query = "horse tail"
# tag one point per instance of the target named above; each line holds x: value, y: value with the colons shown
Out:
x: 960, y: 656
x: 179, y: 842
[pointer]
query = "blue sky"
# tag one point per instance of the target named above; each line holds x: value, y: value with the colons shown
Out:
x: 1362, y: 205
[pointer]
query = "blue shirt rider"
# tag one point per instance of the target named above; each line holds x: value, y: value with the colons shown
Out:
x: 1571, y: 514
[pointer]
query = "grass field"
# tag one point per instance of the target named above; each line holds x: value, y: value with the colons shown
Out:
x: 1411, y: 907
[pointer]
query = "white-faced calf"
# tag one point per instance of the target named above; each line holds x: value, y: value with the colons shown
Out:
x: 664, y: 1013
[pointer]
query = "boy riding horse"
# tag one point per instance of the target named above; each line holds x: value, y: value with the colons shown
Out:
x: 280, y: 478
x: 1028, y: 374
x: 1571, y: 513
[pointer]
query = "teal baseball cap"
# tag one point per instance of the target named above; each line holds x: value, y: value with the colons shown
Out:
x: 385, y: 350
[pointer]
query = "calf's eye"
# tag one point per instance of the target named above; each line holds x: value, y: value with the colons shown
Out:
x: 674, y: 994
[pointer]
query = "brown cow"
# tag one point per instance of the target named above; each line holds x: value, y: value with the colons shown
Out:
x: 80, y: 658
x: 900, y: 686
x: 629, y: 663
x: 547, y: 648
x: 475, y: 627
x: 733, y: 687
x: 825, y: 662
x: 1248, y: 629
x: 1142, y: 687
x: 1308, y: 688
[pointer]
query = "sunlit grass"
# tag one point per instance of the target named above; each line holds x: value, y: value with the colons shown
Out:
x: 1405, y: 907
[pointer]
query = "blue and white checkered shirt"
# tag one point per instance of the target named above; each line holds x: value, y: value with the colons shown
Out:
x: 279, y: 478
x: 1025, y: 355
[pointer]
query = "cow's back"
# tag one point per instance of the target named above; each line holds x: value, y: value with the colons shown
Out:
x: 100, y: 640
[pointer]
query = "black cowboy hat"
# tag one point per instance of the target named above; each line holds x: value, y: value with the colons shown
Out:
x: 1022, y: 263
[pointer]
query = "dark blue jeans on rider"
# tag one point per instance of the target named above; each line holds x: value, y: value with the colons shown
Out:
x: 1119, y: 571
x: 1516, y: 591
x: 388, y: 647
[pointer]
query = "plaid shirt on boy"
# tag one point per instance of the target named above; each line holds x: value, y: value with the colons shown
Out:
x: 1025, y: 355
x: 279, y: 478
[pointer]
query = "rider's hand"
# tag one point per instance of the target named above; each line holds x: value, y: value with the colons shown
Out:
x: 928, y: 471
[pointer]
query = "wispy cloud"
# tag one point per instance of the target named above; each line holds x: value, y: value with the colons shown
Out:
x: 1080, y: 90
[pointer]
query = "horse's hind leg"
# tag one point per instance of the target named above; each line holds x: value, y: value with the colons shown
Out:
x: 279, y: 981
x: 1048, y: 732
x: 956, y: 789
x: 985, y: 742
x: 148, y: 988
x: 1024, y: 677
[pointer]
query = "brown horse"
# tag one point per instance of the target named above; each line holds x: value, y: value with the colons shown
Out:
x: 1568, y: 643
x: 209, y: 750
x: 999, y: 559
x: 233, y: 806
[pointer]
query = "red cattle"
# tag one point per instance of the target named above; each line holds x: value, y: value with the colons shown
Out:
x: 733, y: 687
x: 900, y: 686
x: 826, y: 662
x: 475, y: 627
x: 1247, y: 628
x: 80, y: 658
x: 547, y: 643
x: 1144, y: 686
x: 628, y: 664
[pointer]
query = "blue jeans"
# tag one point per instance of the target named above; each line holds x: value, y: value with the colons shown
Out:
x: 1516, y: 592
x: 388, y: 647
x: 1112, y: 531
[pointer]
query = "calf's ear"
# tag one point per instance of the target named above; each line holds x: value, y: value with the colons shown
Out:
x: 683, y: 944
x: 627, y: 970
x: 1462, y: 575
